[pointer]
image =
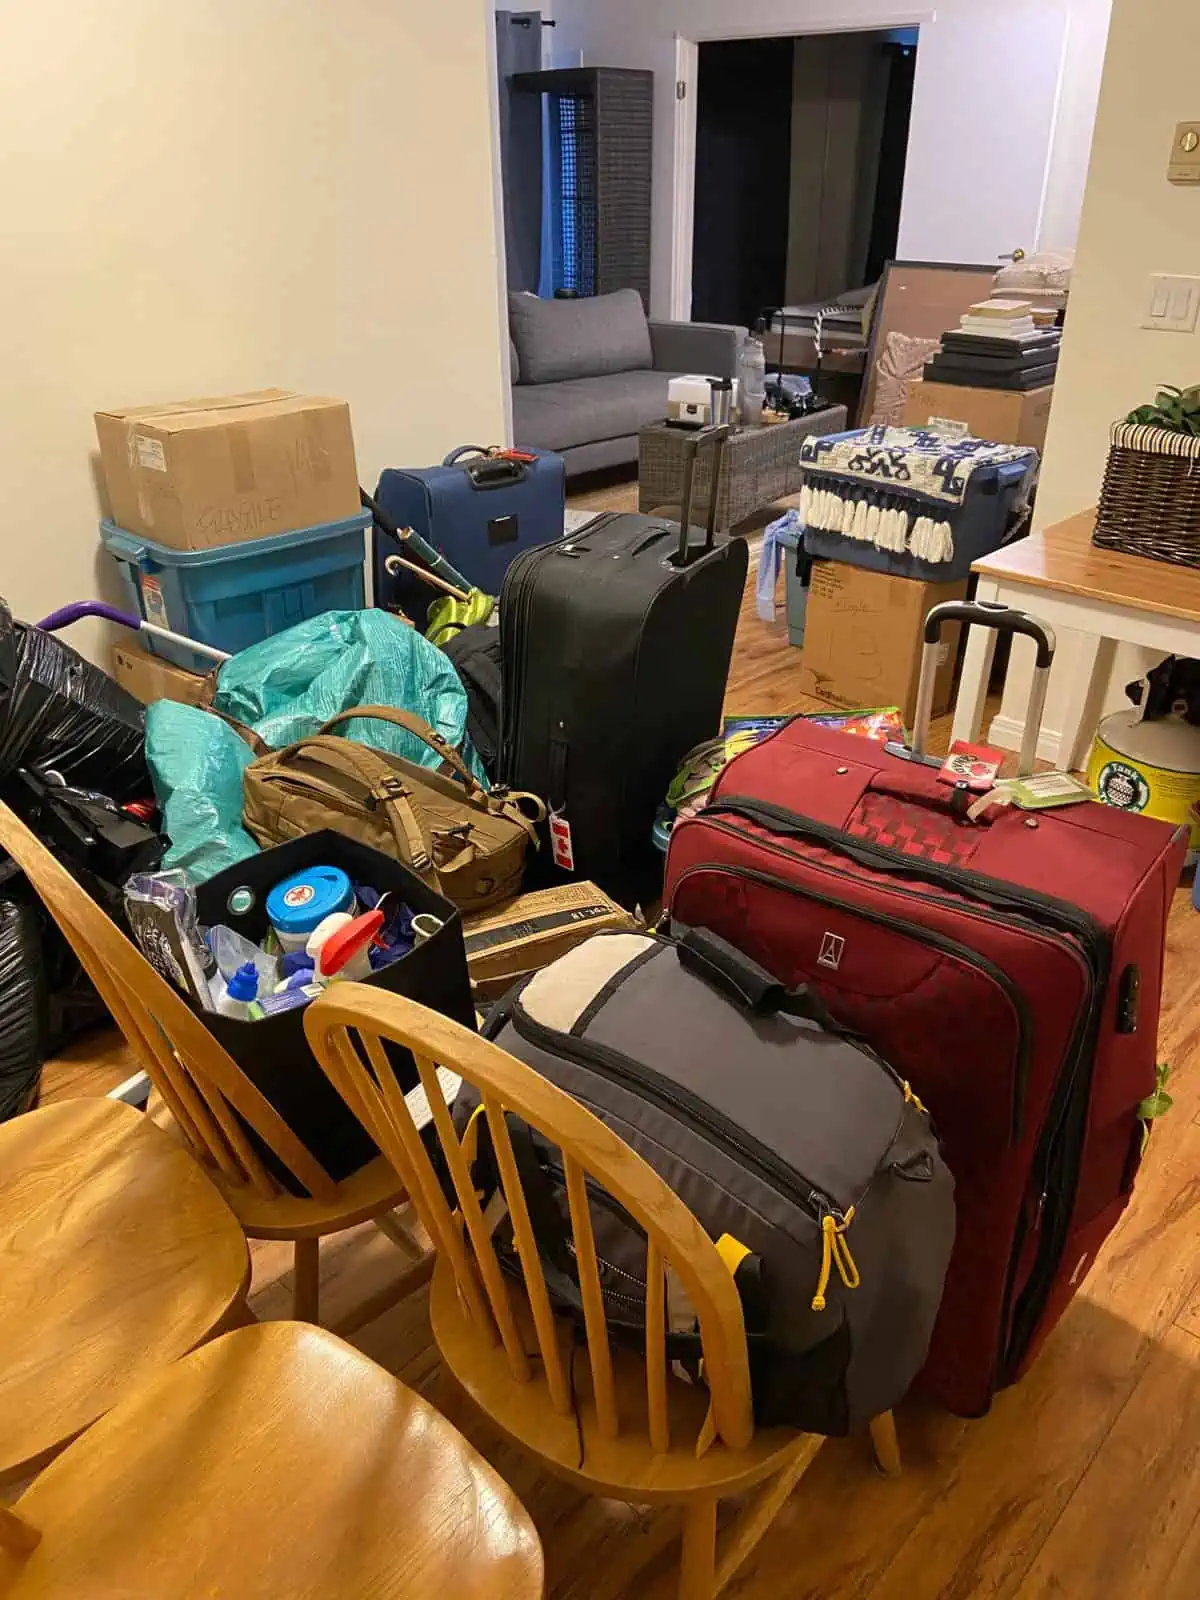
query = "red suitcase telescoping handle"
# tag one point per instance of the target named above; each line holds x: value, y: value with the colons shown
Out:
x: 1002, y: 619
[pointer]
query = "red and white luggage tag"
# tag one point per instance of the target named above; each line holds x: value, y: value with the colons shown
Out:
x: 560, y: 842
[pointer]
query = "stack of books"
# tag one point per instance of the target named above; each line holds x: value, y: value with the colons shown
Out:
x: 999, y: 344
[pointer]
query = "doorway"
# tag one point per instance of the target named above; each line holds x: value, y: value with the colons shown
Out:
x: 801, y: 146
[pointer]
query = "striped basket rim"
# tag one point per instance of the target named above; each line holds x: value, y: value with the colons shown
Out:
x: 1154, y: 441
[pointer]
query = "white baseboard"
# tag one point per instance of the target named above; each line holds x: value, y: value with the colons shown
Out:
x: 1006, y: 733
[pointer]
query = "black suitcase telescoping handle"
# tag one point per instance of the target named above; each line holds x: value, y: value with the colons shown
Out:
x: 1001, y: 619
x: 691, y: 449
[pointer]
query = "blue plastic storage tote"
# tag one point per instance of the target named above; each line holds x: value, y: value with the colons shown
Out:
x: 975, y: 491
x: 236, y: 594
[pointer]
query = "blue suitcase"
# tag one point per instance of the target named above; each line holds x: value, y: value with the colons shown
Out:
x: 477, y: 511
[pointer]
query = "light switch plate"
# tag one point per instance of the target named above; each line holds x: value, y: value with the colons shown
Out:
x: 1173, y: 304
x: 1184, y: 165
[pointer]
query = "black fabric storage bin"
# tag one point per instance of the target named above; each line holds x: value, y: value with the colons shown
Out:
x: 274, y: 1053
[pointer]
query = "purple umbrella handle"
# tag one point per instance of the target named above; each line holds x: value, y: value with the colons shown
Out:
x: 66, y: 615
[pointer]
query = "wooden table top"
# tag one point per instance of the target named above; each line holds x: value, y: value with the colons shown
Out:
x: 1064, y: 558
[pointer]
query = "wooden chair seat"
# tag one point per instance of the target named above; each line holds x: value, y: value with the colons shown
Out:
x: 117, y: 1255
x: 360, y: 1198
x: 625, y: 1467
x: 276, y: 1461
x: 204, y: 1093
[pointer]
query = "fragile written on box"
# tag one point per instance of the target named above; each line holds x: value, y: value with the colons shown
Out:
x: 198, y: 474
x: 863, y: 638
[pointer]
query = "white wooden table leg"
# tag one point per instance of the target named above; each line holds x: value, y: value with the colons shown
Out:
x: 976, y: 670
x: 1093, y: 665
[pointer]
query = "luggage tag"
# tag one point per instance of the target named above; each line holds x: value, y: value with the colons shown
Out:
x: 975, y: 765
x: 1041, y: 791
x: 560, y: 842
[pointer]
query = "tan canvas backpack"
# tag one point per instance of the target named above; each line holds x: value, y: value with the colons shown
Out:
x: 462, y: 840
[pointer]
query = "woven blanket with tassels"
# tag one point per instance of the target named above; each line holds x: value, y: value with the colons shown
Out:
x: 895, y: 488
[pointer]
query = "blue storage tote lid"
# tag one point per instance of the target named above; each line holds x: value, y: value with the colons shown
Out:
x: 302, y: 902
x: 136, y: 547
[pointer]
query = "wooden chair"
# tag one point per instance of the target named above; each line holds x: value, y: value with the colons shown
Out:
x: 117, y: 1256
x: 618, y: 1424
x: 206, y: 1092
x: 276, y: 1461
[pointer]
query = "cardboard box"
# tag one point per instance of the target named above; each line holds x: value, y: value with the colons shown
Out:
x: 1006, y: 416
x: 149, y: 679
x: 535, y: 929
x: 863, y: 638
x: 195, y: 474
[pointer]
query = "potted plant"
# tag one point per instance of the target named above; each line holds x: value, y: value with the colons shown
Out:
x: 1150, y: 502
x: 1177, y: 410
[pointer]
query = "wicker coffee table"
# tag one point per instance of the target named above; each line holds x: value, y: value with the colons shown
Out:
x: 761, y: 465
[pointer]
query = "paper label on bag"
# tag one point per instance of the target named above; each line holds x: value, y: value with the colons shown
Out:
x: 151, y: 453
x: 560, y: 842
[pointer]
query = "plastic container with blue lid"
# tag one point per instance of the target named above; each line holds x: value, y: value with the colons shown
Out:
x: 297, y: 905
x: 233, y: 595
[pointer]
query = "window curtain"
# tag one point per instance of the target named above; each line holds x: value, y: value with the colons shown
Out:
x: 519, y: 49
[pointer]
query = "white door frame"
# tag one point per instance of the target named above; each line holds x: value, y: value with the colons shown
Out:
x: 687, y: 60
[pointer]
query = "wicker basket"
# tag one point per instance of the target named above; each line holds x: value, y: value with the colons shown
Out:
x: 1150, y: 503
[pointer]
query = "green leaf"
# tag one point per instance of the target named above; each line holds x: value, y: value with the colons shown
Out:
x: 1160, y: 1102
x: 1155, y: 1105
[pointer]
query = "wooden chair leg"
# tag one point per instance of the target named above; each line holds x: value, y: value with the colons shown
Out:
x: 886, y: 1445
x: 18, y: 1537
x: 306, y: 1287
x: 761, y: 1512
x: 698, y: 1560
x: 389, y: 1223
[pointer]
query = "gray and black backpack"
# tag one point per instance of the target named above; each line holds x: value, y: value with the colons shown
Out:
x: 804, y: 1156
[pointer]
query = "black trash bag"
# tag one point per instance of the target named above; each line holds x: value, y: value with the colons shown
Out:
x: 25, y: 1029
x: 60, y: 714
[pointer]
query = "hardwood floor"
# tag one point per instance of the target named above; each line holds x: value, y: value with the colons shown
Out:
x: 1083, y: 1482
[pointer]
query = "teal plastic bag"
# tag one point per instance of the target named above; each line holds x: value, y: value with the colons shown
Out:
x: 287, y: 686
x: 197, y: 762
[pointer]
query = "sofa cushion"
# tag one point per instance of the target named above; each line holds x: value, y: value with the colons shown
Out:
x: 558, y: 339
x: 558, y: 416
x: 514, y: 362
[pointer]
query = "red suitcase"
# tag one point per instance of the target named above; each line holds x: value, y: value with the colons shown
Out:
x: 1010, y: 968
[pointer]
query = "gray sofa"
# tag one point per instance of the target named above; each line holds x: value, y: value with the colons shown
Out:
x: 588, y: 373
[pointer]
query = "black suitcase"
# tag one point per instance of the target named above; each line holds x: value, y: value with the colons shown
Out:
x: 615, y: 647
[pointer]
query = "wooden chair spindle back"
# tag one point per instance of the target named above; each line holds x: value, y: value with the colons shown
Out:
x: 203, y: 1087
x: 347, y: 1028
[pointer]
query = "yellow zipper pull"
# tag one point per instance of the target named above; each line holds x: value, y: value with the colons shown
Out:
x: 835, y: 1252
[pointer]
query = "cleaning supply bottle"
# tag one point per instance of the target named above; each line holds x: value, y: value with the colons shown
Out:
x: 346, y: 953
x: 324, y: 930
x: 240, y: 993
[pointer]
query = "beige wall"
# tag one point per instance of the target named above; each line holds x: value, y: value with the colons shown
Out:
x: 1134, y: 223
x: 208, y: 197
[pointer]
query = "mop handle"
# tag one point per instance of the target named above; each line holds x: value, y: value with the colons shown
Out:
x: 66, y: 615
